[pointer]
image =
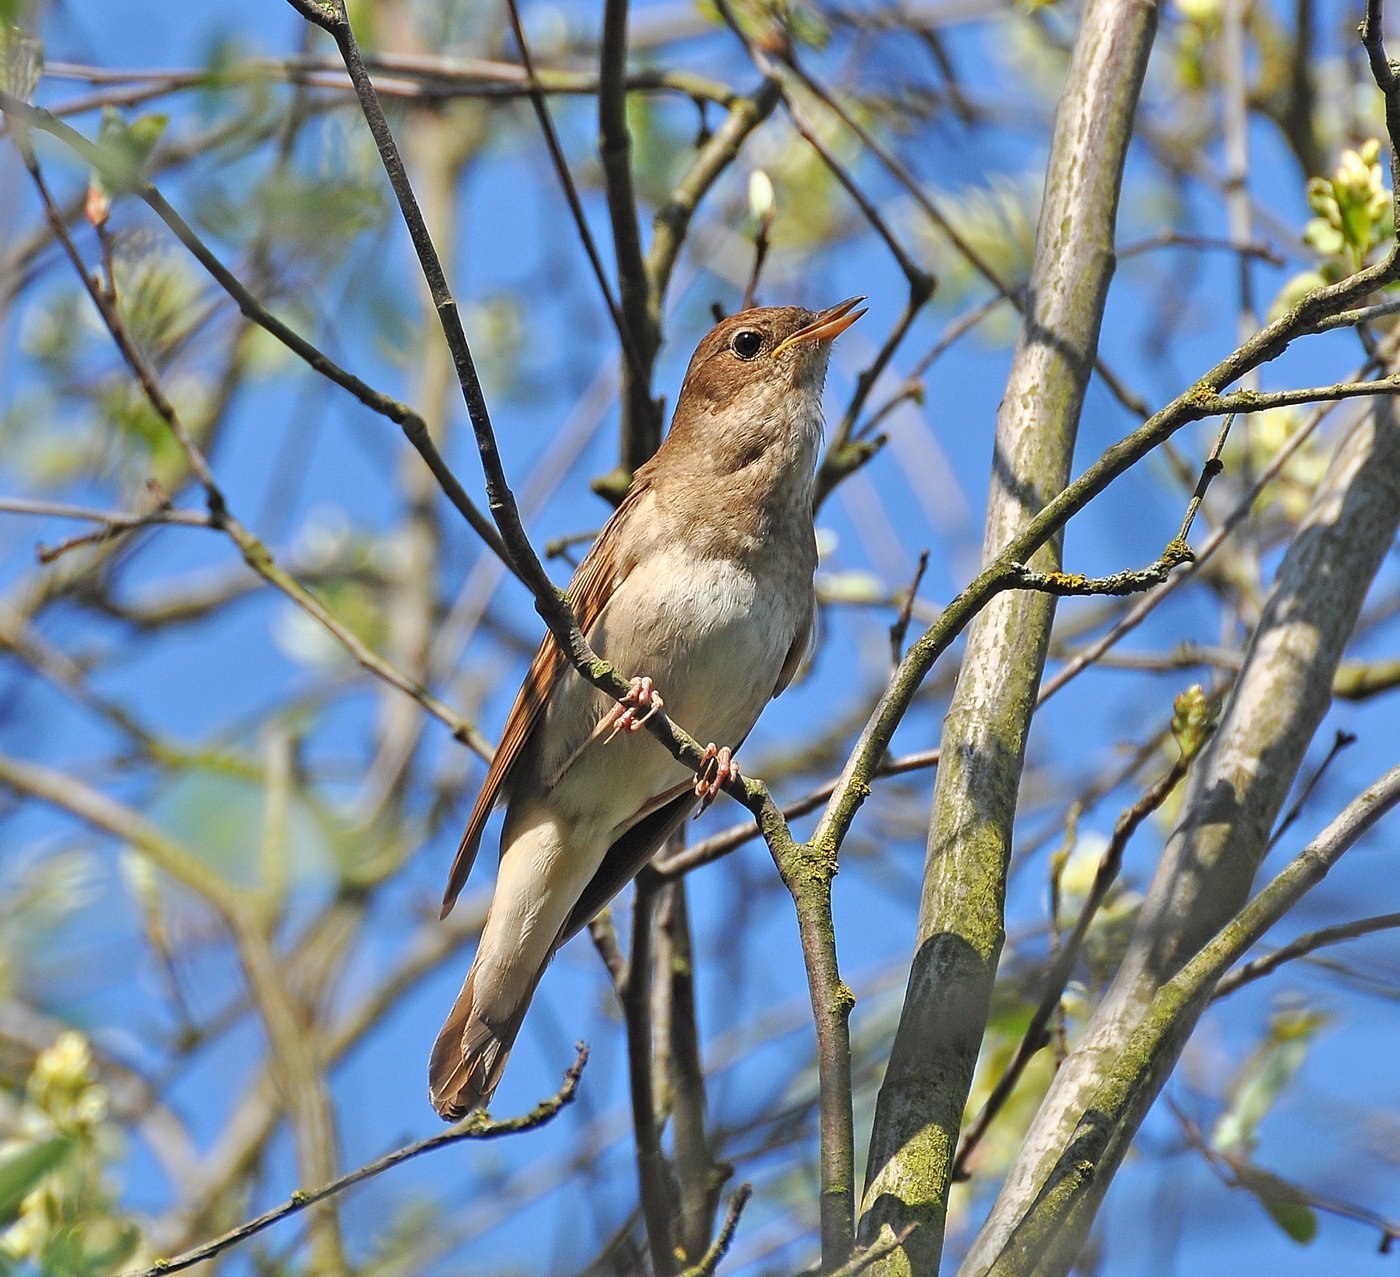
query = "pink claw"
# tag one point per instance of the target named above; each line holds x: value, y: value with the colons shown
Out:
x: 642, y: 694
x: 719, y: 768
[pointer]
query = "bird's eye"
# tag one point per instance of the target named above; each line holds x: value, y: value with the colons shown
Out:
x: 747, y: 343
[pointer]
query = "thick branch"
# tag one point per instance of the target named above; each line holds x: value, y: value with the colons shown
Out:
x: 1047, y: 1236
x: 1237, y: 789
x: 960, y: 928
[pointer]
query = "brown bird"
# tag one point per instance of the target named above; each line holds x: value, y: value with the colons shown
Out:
x: 700, y: 581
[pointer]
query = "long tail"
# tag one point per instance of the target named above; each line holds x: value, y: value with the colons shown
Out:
x: 541, y: 877
x: 470, y: 1054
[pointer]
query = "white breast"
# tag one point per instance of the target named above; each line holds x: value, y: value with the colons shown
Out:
x: 712, y: 635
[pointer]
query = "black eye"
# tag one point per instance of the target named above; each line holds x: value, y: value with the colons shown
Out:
x: 747, y: 343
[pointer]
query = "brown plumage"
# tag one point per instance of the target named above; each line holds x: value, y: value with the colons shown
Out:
x: 702, y: 581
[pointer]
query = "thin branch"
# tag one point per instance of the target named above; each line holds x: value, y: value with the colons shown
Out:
x: 1258, y: 968
x: 418, y: 77
x: 699, y: 1178
x: 114, y: 522
x: 721, y: 844
x: 1053, y: 1220
x: 900, y: 628
x: 1339, y: 742
x: 886, y: 1243
x: 561, y: 168
x: 641, y: 414
x: 1243, y: 401
x: 725, y: 1238
x: 1179, y: 239
x: 1238, y: 1172
x: 415, y: 429
x: 656, y: 1187
x: 479, y: 1126
x: 807, y: 871
x: 760, y: 255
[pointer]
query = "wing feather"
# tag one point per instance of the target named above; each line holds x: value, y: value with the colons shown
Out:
x: 600, y: 573
x: 797, y: 653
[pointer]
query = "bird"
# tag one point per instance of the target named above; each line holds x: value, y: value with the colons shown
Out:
x: 700, y: 588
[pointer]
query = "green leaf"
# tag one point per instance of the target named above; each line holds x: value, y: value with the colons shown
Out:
x: 1297, y: 1220
x: 1287, y: 1204
x: 92, y: 1247
x: 21, y: 54
x: 21, y: 1171
x: 1264, y: 1076
x: 125, y: 147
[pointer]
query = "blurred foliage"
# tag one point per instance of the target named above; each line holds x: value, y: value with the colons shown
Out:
x: 21, y: 55
x: 56, y: 1207
x: 1354, y: 218
x: 1353, y: 207
x: 997, y: 220
x: 1250, y: 450
x: 307, y: 787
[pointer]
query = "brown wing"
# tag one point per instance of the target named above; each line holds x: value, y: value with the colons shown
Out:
x: 597, y: 577
x: 625, y: 860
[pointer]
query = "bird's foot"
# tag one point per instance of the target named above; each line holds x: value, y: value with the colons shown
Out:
x: 623, y: 717
x: 717, y: 769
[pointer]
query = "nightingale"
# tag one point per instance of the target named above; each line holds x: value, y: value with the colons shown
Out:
x: 700, y: 585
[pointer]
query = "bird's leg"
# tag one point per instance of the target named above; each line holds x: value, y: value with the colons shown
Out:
x: 622, y: 717
x: 717, y: 769
x: 642, y: 694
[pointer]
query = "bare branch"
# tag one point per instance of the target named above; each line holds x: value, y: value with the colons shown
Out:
x: 479, y: 1126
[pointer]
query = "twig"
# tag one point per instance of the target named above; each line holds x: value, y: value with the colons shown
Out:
x: 1129, y: 582
x: 641, y: 414
x: 1258, y: 968
x: 725, y: 1238
x: 721, y: 844
x: 479, y: 1126
x: 414, y: 427
x: 1179, y: 239
x: 114, y: 522
x: 807, y: 871
x: 1237, y: 1172
x: 843, y: 458
x: 604, y: 936
x: 760, y: 255
x: 654, y: 1180
x: 1241, y: 401
x: 561, y: 168
x: 900, y: 628
x: 886, y: 1243
x: 406, y: 76
x: 699, y: 1178
x: 1339, y: 742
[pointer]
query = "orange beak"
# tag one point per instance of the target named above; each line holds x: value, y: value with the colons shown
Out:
x: 827, y: 326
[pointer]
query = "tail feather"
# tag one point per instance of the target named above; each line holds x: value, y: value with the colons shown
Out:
x: 541, y: 877
x: 470, y: 1055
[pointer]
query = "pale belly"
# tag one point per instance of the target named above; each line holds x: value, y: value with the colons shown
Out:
x: 713, y: 637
